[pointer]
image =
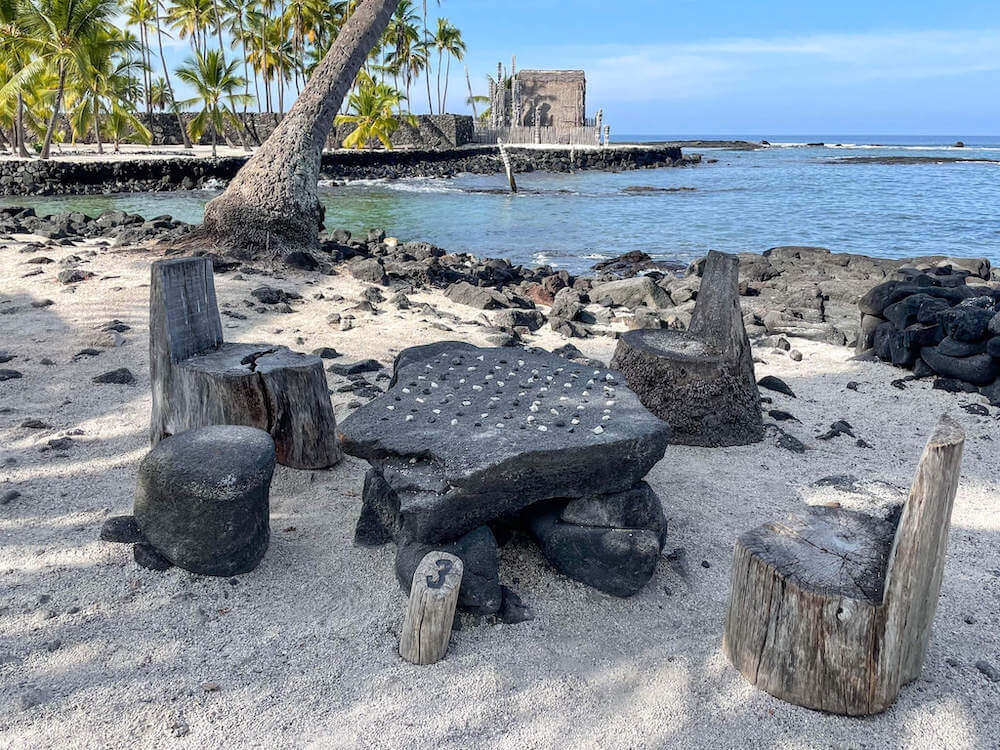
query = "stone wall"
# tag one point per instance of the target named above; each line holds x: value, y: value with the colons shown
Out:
x: 432, y: 131
x: 58, y: 177
x: 552, y: 98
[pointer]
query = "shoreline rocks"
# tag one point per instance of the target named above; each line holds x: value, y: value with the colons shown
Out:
x: 942, y: 322
x: 785, y: 292
x: 57, y: 177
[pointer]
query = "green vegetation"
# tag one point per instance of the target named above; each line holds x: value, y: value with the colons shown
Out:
x: 69, y: 72
x: 371, y: 107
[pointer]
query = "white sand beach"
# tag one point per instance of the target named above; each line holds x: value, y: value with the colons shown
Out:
x: 98, y: 652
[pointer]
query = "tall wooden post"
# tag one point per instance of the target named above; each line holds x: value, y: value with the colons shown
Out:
x: 515, y: 94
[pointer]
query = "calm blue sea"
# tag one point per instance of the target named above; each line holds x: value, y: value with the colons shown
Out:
x: 745, y: 201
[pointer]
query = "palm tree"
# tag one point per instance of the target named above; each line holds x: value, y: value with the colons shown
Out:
x: 448, y: 39
x: 13, y: 59
x: 403, y: 36
x: 122, y: 125
x: 190, y: 18
x: 160, y: 96
x: 370, y: 108
x: 57, y: 31
x: 107, y: 72
x: 139, y: 13
x: 217, y: 84
x: 271, y: 207
x: 236, y: 20
x: 305, y: 20
x: 166, y: 73
x: 427, y: 46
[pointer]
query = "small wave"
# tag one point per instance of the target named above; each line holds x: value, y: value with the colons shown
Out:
x: 423, y: 187
x: 520, y: 191
x: 890, y: 146
x: 649, y: 190
x: 212, y: 183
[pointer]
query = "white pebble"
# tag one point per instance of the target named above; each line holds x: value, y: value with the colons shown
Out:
x: 409, y: 417
x: 597, y: 430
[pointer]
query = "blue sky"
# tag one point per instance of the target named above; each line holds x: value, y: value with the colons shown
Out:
x: 698, y: 68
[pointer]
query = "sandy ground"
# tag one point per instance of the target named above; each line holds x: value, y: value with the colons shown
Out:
x: 302, y: 652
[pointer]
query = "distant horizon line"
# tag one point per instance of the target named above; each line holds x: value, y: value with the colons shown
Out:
x: 744, y: 135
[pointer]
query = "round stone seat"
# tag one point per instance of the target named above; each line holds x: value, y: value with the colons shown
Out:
x: 202, y: 498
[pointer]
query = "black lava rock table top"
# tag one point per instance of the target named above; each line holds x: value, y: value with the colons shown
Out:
x: 465, y: 435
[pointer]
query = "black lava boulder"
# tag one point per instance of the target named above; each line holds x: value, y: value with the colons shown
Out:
x: 202, y: 498
x: 613, y: 560
x: 979, y: 369
x: 480, y: 592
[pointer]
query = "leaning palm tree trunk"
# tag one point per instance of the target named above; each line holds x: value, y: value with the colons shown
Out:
x: 271, y: 206
x: 55, y: 111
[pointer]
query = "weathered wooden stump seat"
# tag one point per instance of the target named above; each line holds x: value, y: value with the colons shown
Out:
x: 701, y: 381
x: 198, y: 379
x: 832, y: 609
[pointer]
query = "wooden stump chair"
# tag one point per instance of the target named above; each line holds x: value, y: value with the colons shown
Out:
x: 199, y: 380
x: 700, y: 381
x: 832, y: 609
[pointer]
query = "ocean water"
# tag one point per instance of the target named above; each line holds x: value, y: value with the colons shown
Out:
x: 790, y: 194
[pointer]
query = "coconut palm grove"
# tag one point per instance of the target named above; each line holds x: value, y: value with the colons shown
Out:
x: 95, y: 69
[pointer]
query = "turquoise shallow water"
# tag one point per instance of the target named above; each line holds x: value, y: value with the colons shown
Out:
x: 747, y: 201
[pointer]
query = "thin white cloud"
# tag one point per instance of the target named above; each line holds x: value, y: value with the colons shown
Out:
x: 707, y: 69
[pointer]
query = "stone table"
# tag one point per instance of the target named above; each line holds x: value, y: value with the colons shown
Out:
x: 466, y: 436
